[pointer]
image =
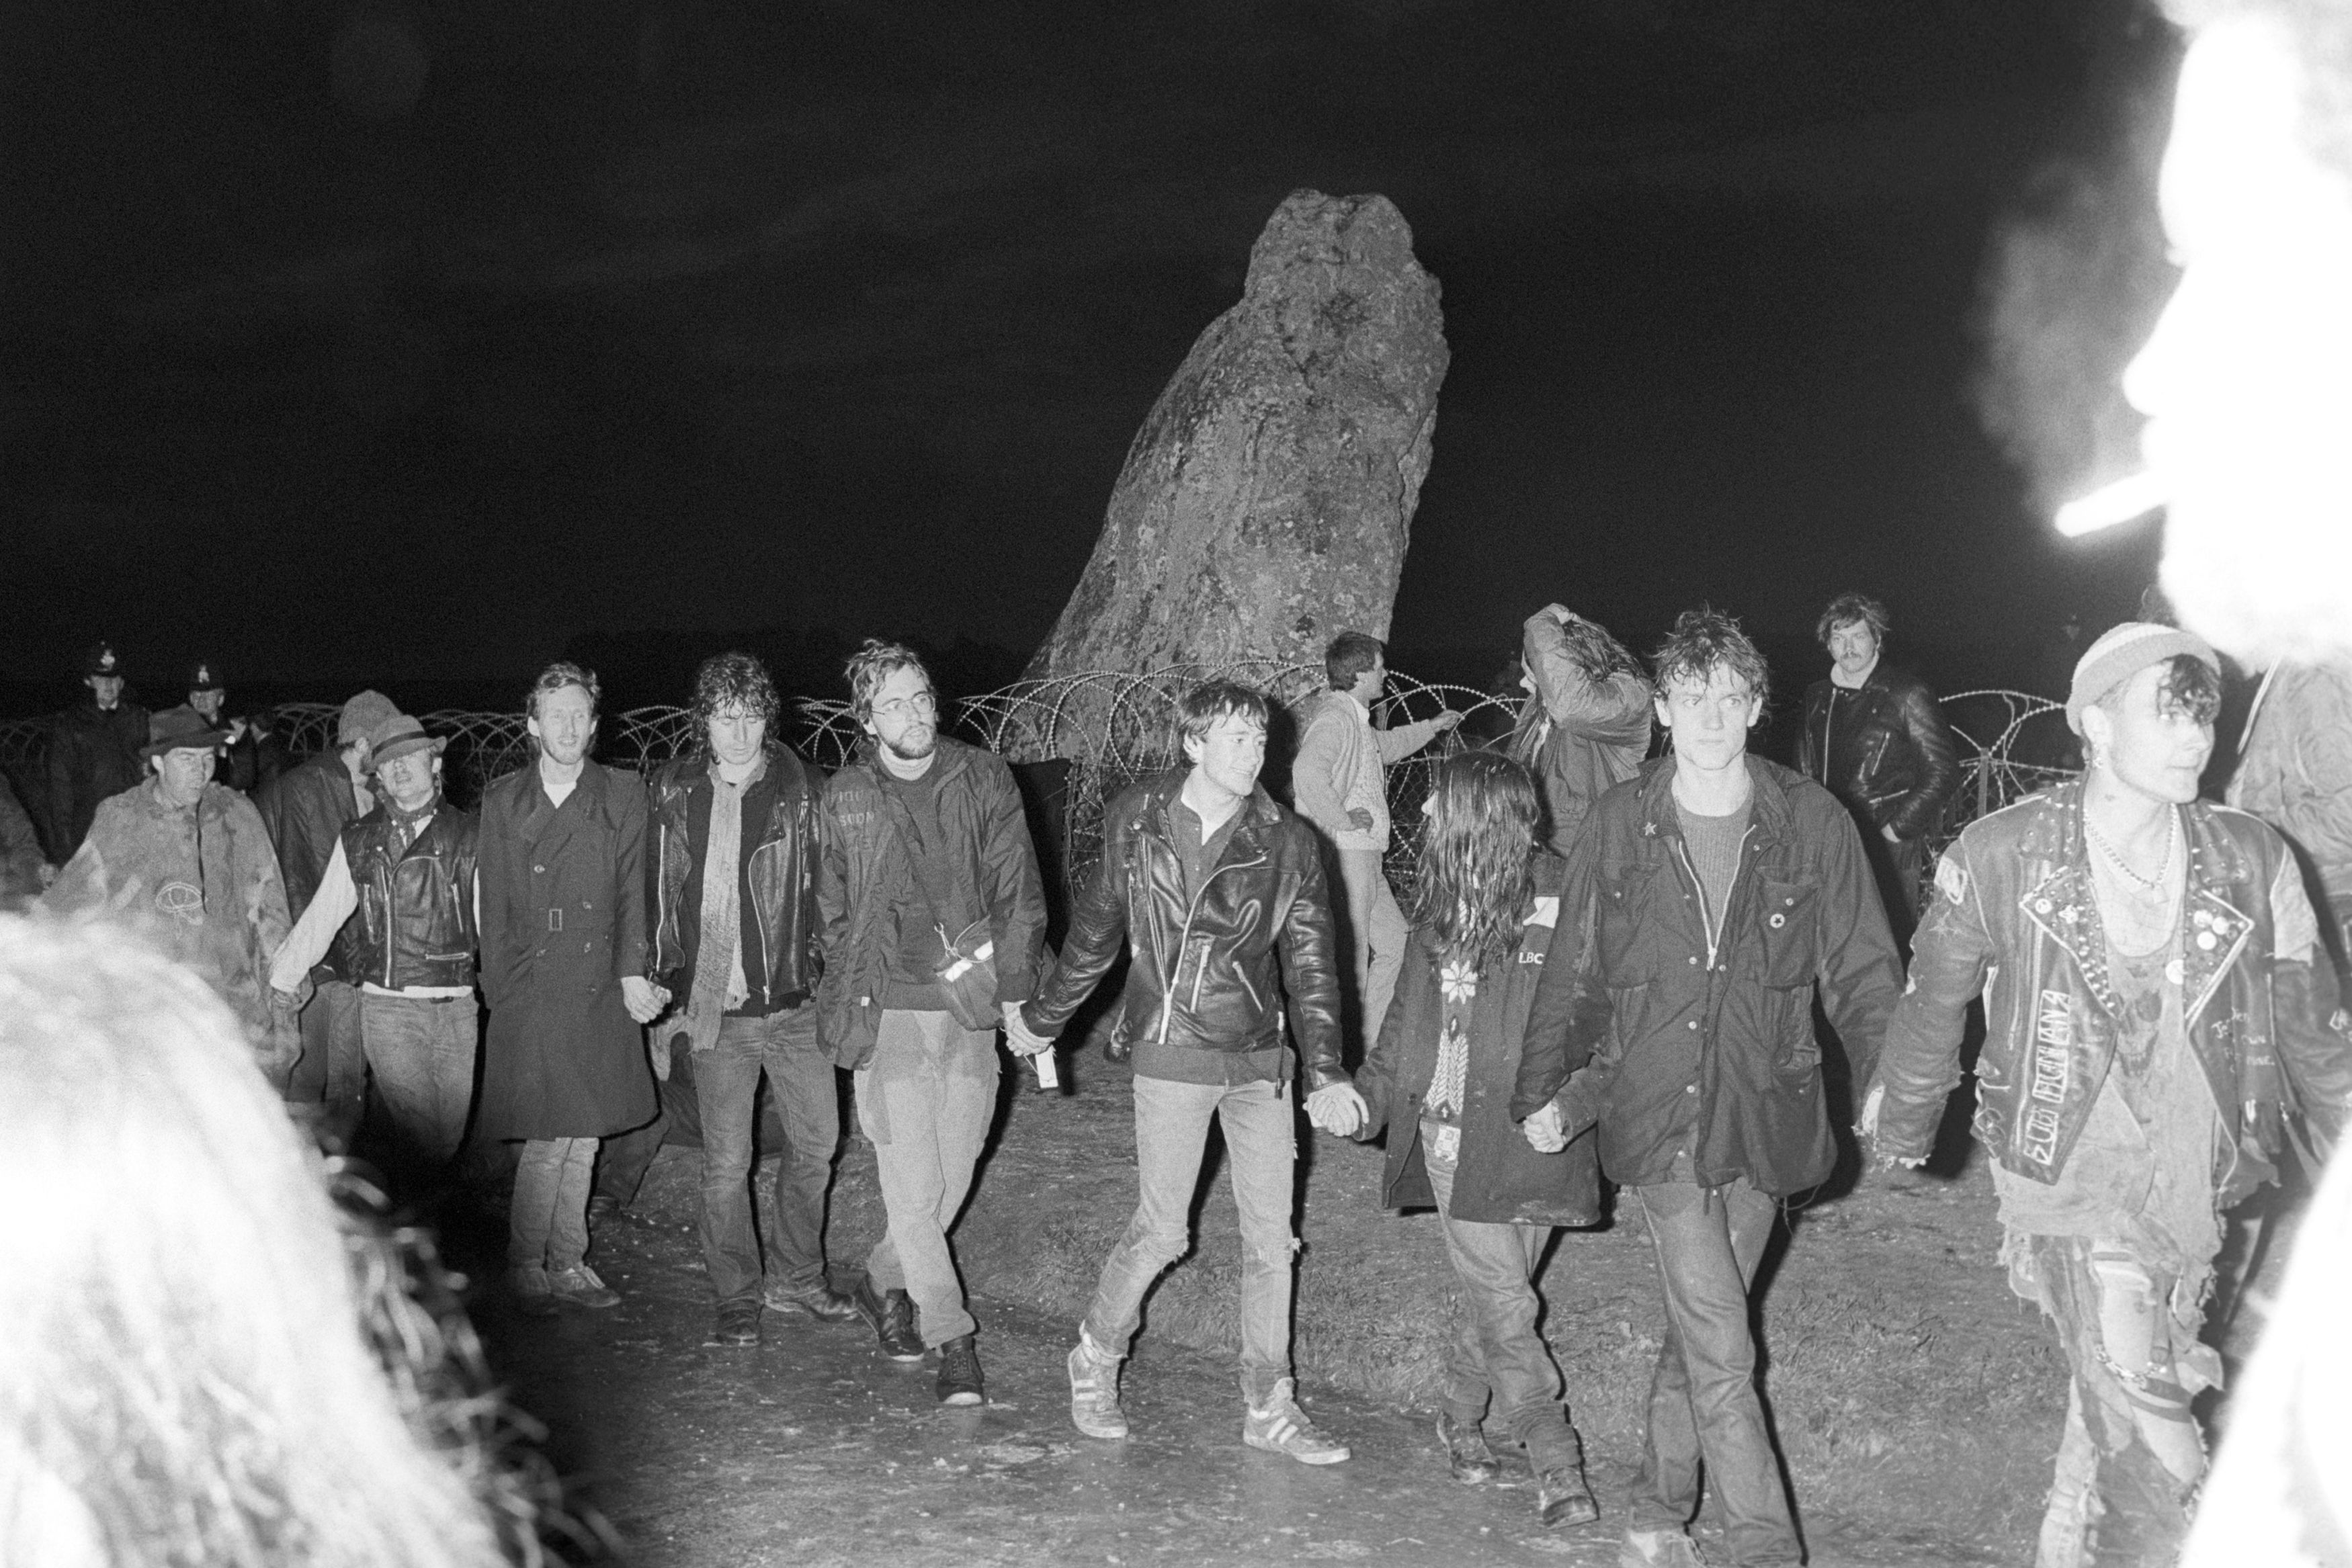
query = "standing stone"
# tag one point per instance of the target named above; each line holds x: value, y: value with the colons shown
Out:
x: 1268, y: 500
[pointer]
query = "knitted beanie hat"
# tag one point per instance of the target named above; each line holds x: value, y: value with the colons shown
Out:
x: 363, y: 716
x: 2124, y: 652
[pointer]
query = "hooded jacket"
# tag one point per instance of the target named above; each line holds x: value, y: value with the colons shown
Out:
x: 1204, y: 976
x: 2015, y: 920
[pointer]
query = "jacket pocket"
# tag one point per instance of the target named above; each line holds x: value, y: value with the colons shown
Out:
x: 1628, y: 939
x: 1787, y: 944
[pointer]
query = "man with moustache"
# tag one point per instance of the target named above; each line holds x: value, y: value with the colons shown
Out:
x: 2162, y: 1009
x: 735, y: 934
x: 565, y: 950
x: 933, y: 913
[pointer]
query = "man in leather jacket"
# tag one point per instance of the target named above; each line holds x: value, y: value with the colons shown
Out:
x: 2157, y: 1005
x: 402, y: 886
x: 1876, y: 736
x: 1210, y: 883
x: 739, y: 950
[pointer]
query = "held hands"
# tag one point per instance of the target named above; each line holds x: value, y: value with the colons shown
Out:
x: 1336, y: 1108
x: 1543, y: 1129
x: 1022, y: 1039
x: 644, y: 1000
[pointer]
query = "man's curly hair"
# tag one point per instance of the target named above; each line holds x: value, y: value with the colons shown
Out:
x: 875, y: 664
x: 729, y: 681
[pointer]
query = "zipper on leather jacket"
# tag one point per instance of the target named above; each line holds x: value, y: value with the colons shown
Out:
x: 1184, y: 940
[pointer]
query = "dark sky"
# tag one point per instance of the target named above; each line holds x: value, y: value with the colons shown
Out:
x: 691, y: 316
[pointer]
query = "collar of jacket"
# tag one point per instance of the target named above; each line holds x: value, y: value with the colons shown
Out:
x: 954, y: 757
x: 690, y: 775
x: 2059, y: 900
x: 151, y: 801
x: 1258, y: 812
x: 1767, y: 799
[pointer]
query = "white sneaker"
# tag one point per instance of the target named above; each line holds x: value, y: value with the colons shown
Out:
x: 1093, y: 1394
x: 1282, y: 1427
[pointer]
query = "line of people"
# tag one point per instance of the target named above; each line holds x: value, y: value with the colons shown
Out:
x: 1608, y: 967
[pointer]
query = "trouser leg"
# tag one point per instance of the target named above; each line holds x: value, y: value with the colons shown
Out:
x: 530, y: 1216
x: 1704, y: 1402
x: 1498, y: 1349
x: 1390, y: 933
x: 924, y: 1100
x: 421, y: 1052
x: 726, y: 1082
x: 1261, y: 1156
x: 1172, y: 1128
x: 1360, y: 875
x: 623, y: 1161
x: 801, y: 1082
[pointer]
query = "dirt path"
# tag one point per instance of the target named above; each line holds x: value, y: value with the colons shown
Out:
x: 813, y: 1449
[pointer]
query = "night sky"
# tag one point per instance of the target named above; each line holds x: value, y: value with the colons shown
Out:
x: 393, y: 342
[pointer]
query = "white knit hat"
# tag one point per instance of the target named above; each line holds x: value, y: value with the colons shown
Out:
x: 2123, y: 653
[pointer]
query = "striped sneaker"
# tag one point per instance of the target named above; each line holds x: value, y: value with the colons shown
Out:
x: 1094, y: 1393
x: 1282, y: 1427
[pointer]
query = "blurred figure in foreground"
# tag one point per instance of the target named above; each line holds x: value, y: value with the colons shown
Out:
x: 207, y: 1361
x: 2247, y: 381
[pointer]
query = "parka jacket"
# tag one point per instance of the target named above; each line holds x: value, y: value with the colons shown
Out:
x: 202, y: 882
x: 865, y: 871
x: 777, y: 886
x: 2015, y: 919
x: 1678, y: 1049
x: 1500, y: 1179
x: 2296, y: 770
x: 1204, y: 970
x: 564, y: 921
x: 1883, y: 747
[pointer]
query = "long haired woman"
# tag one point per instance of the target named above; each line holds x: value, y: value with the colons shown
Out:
x: 1585, y: 724
x: 1440, y: 1079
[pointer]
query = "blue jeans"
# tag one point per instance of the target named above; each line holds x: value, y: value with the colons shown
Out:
x: 1171, y: 1132
x: 421, y: 1050
x: 925, y: 1100
x: 1704, y: 1402
x: 726, y: 1084
x: 1496, y: 1354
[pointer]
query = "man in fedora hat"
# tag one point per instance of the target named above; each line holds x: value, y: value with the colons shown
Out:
x: 306, y: 810
x: 407, y: 870
x: 189, y: 861
x: 94, y: 752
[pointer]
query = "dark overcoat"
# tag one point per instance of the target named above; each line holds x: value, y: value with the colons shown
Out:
x: 563, y: 919
x: 1501, y: 1179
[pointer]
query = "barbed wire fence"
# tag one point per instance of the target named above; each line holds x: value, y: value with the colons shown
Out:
x: 1114, y: 729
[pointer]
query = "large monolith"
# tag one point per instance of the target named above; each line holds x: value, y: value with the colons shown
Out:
x: 1267, y: 502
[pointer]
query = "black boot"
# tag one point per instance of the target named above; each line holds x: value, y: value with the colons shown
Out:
x: 892, y: 1314
x: 1562, y: 1496
x: 1466, y: 1454
x: 959, y: 1372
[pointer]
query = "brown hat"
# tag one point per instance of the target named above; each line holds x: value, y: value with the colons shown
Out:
x: 362, y: 717
x: 397, y: 736
x: 181, y: 729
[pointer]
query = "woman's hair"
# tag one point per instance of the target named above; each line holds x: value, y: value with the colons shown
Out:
x: 208, y: 1360
x: 1478, y: 857
x: 1597, y: 656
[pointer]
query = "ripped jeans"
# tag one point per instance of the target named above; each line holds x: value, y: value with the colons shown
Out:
x: 1172, y: 1133
x: 2131, y: 1458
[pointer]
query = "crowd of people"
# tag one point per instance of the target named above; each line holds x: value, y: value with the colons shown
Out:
x: 1608, y: 967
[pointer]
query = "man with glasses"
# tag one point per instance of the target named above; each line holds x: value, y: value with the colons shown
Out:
x: 407, y: 869
x: 931, y: 912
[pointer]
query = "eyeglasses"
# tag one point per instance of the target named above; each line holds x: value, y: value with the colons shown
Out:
x: 908, y: 707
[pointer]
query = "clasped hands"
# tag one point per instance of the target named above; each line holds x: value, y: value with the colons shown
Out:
x: 1336, y: 1109
x: 1022, y: 1039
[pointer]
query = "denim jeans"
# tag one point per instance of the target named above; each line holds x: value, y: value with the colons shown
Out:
x: 925, y: 1100
x: 799, y: 1080
x: 1495, y: 1352
x: 421, y: 1052
x: 1704, y: 1402
x: 547, y: 1226
x: 1376, y: 931
x: 331, y: 1072
x: 1172, y: 1133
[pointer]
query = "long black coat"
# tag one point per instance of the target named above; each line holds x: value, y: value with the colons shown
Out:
x: 563, y: 919
x: 1502, y: 1180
